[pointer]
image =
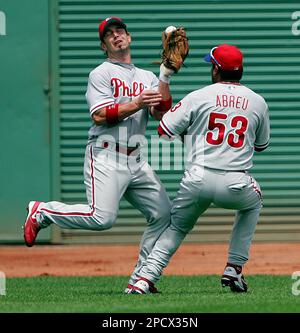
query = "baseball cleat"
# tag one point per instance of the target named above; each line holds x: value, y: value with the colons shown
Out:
x: 234, y: 280
x: 31, y: 226
x: 130, y: 288
x: 143, y: 286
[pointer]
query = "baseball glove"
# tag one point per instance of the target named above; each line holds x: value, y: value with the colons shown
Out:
x: 175, y: 48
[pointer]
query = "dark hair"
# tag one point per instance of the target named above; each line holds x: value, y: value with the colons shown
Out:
x: 231, y: 75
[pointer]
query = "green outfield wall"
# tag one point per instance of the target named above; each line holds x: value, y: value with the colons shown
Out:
x: 45, y: 119
x: 25, y: 172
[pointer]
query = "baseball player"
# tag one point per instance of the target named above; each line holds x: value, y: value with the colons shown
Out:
x: 120, y: 97
x: 224, y: 123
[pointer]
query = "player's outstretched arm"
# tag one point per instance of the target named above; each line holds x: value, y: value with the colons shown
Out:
x: 175, y: 50
x: 166, y: 103
x: 115, y: 113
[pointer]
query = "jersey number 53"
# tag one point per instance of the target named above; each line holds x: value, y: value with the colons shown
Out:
x: 235, y: 138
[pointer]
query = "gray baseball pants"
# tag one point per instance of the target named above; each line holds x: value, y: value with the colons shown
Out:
x: 200, y: 188
x: 109, y: 176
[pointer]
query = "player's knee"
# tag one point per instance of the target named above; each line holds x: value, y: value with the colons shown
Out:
x: 104, y: 220
x: 181, y: 228
x: 163, y: 214
x: 181, y: 225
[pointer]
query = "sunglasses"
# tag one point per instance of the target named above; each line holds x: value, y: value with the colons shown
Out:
x: 212, y: 56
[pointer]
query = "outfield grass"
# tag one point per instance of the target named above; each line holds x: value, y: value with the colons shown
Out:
x: 180, y: 294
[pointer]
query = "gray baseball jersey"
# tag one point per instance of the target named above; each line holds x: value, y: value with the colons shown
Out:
x: 117, y: 83
x: 228, y: 121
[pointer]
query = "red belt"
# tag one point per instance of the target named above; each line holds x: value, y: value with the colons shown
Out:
x: 118, y: 148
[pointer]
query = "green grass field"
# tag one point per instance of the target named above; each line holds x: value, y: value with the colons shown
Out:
x: 180, y: 294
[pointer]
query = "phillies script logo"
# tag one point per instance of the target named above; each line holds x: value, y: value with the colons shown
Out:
x: 121, y: 89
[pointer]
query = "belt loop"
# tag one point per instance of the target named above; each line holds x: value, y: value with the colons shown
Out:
x: 119, y: 148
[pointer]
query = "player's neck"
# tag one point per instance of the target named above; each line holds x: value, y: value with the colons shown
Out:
x: 219, y: 80
x: 121, y: 57
x: 229, y: 81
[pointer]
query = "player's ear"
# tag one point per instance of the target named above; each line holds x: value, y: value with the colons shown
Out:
x: 103, y: 46
x: 215, y: 70
x: 129, y: 37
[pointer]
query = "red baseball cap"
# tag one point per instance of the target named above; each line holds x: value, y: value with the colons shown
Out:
x: 104, y: 25
x: 227, y: 57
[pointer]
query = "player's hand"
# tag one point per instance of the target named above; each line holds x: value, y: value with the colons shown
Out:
x: 148, y: 98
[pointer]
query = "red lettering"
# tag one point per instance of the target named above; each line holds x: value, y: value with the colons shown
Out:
x: 238, y: 102
x: 217, y: 129
x: 117, y: 84
x: 231, y: 101
x: 141, y: 88
x: 245, y: 104
x: 126, y: 90
x: 175, y: 107
x: 135, y: 88
x: 121, y: 89
x: 236, y: 139
x: 213, y: 125
x: 225, y: 101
